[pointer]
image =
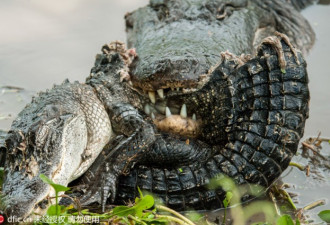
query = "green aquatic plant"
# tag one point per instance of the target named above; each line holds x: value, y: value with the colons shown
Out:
x: 239, y: 213
x: 325, y: 215
x: 144, y: 211
x: 286, y: 220
x: 54, y: 209
x: 147, y: 209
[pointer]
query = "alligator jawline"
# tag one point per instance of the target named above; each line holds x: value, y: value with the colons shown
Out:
x: 168, y: 112
x: 172, y: 115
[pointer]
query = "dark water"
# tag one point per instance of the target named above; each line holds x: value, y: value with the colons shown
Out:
x: 42, y: 42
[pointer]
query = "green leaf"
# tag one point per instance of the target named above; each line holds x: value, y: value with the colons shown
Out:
x: 225, y: 203
x: 85, y: 212
x: 51, y: 211
x: 283, y: 70
x: 226, y: 183
x: 325, y: 215
x: 145, y: 203
x: 57, y: 187
x: 140, y: 192
x: 194, y: 216
x: 297, y: 222
x: 229, y: 196
x: 124, y: 220
x: 285, y: 220
x: 261, y: 223
x: 156, y: 221
x: 180, y: 170
x: 123, y: 211
x: 147, y: 214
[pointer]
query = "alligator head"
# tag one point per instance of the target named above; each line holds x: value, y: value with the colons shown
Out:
x: 179, y: 43
x: 23, y: 190
x: 59, y: 134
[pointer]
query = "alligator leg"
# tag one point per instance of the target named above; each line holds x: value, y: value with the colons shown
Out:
x: 139, y: 135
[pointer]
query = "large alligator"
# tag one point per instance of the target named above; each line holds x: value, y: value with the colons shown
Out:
x: 242, y: 116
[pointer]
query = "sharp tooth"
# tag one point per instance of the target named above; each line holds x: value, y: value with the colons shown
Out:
x: 161, y: 93
x: 194, y: 117
x: 147, y: 109
x: 183, y: 112
x: 130, y: 83
x: 152, y: 96
x: 153, y: 116
x: 168, y: 112
x: 172, y: 88
x: 178, y: 89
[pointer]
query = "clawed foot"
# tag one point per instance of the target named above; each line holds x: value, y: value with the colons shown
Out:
x: 275, y: 42
x: 102, y: 190
x: 109, y: 189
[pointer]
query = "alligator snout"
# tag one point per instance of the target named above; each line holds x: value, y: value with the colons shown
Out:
x: 23, y: 195
x: 45, y: 148
x: 181, y: 71
x: 59, y: 135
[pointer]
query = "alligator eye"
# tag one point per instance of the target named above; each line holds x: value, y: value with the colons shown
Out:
x: 161, y: 9
x: 224, y: 10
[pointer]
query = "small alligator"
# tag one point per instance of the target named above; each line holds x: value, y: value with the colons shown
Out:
x: 63, y: 130
x: 241, y: 116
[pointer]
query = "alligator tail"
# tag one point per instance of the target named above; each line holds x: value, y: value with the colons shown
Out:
x: 271, y: 105
x: 270, y: 100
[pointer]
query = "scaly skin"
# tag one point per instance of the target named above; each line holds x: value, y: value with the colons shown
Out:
x: 253, y: 132
x: 63, y: 130
x: 177, y: 41
x: 251, y: 129
x: 44, y: 139
x: 252, y: 115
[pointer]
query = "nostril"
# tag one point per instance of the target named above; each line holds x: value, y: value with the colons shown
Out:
x: 43, y: 204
